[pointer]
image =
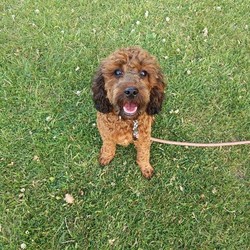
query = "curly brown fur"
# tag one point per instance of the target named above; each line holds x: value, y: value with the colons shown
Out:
x: 128, y: 86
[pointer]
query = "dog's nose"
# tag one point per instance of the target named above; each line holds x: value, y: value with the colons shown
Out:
x: 131, y: 92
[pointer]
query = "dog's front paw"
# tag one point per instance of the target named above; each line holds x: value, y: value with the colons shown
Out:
x: 147, y: 171
x: 106, y: 155
x: 104, y: 160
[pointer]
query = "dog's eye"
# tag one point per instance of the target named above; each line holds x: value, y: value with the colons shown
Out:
x: 118, y: 73
x: 143, y: 73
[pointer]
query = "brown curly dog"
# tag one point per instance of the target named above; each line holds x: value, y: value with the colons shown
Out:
x: 128, y: 90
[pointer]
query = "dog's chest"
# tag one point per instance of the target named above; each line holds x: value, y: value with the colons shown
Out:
x: 121, y: 132
x: 124, y: 136
x: 117, y: 130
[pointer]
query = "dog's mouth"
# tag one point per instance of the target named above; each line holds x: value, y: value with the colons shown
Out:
x: 130, y: 108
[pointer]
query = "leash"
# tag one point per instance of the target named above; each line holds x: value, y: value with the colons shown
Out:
x: 135, y: 133
x: 204, y: 145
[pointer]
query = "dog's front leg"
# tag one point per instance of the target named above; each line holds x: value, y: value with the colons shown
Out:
x: 107, y: 152
x: 143, y: 157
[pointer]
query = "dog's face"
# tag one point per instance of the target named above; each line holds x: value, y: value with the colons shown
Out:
x: 129, y: 82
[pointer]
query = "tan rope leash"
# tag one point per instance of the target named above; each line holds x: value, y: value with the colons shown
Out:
x: 187, y: 144
x: 204, y: 145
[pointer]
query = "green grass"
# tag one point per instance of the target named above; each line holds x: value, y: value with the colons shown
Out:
x: 198, y: 199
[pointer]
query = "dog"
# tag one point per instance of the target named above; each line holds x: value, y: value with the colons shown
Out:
x: 128, y: 91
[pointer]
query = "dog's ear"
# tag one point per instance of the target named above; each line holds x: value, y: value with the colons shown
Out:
x: 100, y: 99
x: 156, y: 96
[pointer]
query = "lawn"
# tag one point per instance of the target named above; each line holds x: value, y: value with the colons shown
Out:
x: 49, y: 143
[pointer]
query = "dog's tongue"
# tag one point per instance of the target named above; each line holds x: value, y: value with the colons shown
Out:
x: 130, y: 108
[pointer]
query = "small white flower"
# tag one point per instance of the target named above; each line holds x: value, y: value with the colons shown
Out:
x: 138, y: 22
x: 174, y: 111
x: 205, y: 32
x: 48, y: 119
x: 146, y: 14
x: 165, y: 57
x: 167, y: 19
x: 22, y: 190
x: 93, y: 125
x: 37, y: 11
x: 218, y: 8
x: 133, y: 30
x: 36, y: 158
x: 194, y: 216
x: 23, y: 246
x: 189, y: 72
x: 163, y: 40
x: 78, y: 92
x: 21, y: 196
x: 178, y: 50
x: 77, y: 68
x: 181, y: 188
x: 13, y: 17
x: 214, y: 191
x: 111, y: 242
x: 62, y: 31
x: 94, y: 31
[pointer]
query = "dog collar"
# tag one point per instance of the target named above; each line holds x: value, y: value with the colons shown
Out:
x: 135, y: 130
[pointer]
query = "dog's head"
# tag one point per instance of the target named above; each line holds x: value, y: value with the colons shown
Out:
x: 128, y: 83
